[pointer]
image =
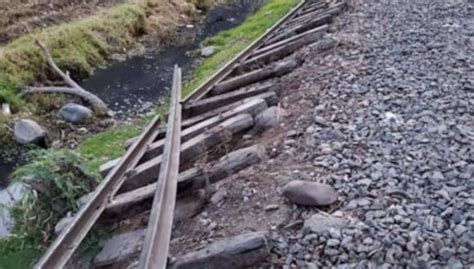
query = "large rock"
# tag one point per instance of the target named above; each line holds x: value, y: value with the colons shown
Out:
x: 8, y: 198
x: 310, y: 193
x: 269, y: 118
x: 74, y: 113
x: 29, y: 132
x: 321, y: 224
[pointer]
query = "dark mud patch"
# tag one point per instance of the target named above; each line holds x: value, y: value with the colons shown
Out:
x: 135, y: 85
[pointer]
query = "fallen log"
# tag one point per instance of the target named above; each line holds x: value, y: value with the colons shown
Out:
x: 193, y: 149
x: 213, y: 102
x: 242, y: 251
x: 253, y: 107
x: 194, y: 178
x: 275, y: 70
x: 283, y: 48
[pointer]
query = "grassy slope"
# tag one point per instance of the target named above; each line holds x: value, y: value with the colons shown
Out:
x: 76, y: 46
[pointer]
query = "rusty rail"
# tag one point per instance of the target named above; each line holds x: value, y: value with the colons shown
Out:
x: 155, y: 249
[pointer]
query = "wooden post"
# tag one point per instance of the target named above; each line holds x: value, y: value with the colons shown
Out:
x: 242, y: 251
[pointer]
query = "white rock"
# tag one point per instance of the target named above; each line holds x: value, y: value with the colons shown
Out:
x: 29, y: 132
x: 207, y: 51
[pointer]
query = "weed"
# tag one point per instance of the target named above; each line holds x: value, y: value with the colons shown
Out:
x: 229, y: 43
x: 57, y: 179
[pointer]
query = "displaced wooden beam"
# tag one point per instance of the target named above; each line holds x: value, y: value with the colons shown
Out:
x: 275, y: 70
x: 273, y: 46
x: 271, y: 98
x: 242, y: 251
x: 195, y: 178
x: 284, y: 48
x: 213, y: 102
x: 334, y: 10
x: 299, y: 28
x: 253, y: 107
x: 193, y: 149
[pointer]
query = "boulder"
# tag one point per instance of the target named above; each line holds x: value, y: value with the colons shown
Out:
x: 74, y: 113
x: 269, y: 118
x: 207, y: 51
x: 310, y: 193
x: 29, y: 132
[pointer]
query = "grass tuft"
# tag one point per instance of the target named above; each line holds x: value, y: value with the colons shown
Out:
x: 229, y: 43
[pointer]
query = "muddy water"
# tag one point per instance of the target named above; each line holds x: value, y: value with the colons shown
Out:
x: 6, y: 168
x: 136, y: 84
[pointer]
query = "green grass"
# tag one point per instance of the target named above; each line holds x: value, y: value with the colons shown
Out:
x: 229, y: 43
x: 77, y: 46
x: 108, y: 145
x: 15, y: 254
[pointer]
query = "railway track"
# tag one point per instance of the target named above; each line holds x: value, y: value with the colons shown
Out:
x: 162, y: 163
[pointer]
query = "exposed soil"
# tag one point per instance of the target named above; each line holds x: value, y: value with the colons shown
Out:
x: 20, y: 17
x: 133, y: 86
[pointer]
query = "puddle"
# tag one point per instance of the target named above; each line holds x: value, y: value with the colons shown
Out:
x: 6, y: 168
x: 133, y: 86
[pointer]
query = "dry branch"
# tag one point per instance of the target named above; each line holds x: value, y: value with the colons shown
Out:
x: 73, y: 89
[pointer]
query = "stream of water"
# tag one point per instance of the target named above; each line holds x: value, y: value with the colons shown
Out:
x: 136, y: 84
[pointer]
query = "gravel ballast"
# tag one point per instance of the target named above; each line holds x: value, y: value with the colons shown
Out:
x: 393, y: 129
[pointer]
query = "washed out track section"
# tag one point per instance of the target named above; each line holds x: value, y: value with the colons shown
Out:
x: 169, y: 168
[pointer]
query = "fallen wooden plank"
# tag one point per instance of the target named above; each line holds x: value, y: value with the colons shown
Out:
x: 309, y: 10
x: 290, y: 46
x: 195, y: 178
x: 193, y: 149
x: 128, y: 245
x: 271, y: 98
x: 275, y: 70
x: 299, y: 28
x: 213, y: 102
x: 242, y: 251
x: 333, y: 11
x: 252, y: 107
x: 288, y: 40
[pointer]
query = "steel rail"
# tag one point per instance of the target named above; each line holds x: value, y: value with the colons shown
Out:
x: 69, y: 240
x: 155, y: 249
x: 227, y: 69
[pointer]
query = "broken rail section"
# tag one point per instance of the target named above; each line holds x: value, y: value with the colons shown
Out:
x: 161, y: 168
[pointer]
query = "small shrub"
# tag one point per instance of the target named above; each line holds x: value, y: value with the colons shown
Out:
x: 57, y: 180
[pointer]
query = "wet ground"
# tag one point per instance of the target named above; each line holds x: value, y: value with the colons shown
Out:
x: 6, y: 168
x: 133, y: 86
